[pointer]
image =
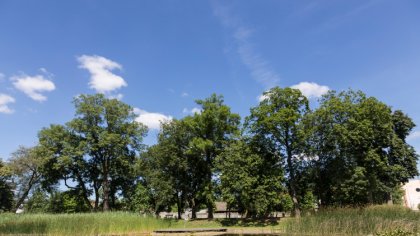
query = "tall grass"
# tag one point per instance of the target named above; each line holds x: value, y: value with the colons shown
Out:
x: 354, y: 221
x: 80, y: 224
x: 339, y: 221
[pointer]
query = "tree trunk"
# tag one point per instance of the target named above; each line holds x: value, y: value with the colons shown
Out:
x: 105, y: 187
x: 96, y: 197
x: 296, y: 209
x: 370, y: 192
x: 193, y: 210
x: 210, y: 210
x: 209, y: 199
x: 179, y: 205
x: 390, y: 200
x: 26, y: 193
x: 292, y: 186
x: 84, y: 190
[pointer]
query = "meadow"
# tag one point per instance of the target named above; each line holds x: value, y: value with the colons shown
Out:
x: 379, y: 220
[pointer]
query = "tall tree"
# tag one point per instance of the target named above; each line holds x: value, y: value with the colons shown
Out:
x: 361, y: 151
x: 26, y: 168
x: 250, y: 182
x: 277, y: 123
x: 98, y: 147
x: 213, y: 128
x: 66, y: 161
x: 164, y: 171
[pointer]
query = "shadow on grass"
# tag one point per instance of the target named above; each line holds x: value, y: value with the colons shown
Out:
x: 23, y: 228
x: 249, y: 222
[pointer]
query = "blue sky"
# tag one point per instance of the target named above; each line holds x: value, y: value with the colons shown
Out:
x: 159, y: 56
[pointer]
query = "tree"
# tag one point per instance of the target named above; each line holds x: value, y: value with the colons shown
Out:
x: 66, y: 161
x: 26, y: 168
x: 157, y: 171
x: 38, y: 202
x: 212, y: 129
x: 69, y: 201
x: 171, y: 169
x: 250, y: 182
x: 361, y: 151
x: 181, y: 166
x: 141, y: 201
x: 6, y: 194
x: 97, y: 149
x: 277, y: 123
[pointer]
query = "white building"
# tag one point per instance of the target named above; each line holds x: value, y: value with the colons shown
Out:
x: 412, y: 194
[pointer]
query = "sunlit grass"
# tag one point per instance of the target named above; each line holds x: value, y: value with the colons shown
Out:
x: 354, y: 221
x: 80, y: 224
x: 339, y: 221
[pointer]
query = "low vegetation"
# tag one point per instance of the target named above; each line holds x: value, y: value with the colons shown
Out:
x: 374, y: 220
x: 80, y: 223
x: 379, y: 220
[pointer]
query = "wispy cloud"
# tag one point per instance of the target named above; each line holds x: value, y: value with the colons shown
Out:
x: 260, y: 68
x: 33, y: 86
x: 5, y: 100
x: 311, y: 89
x: 102, y: 79
x: 151, y: 119
x: 184, y: 94
x: 339, y: 19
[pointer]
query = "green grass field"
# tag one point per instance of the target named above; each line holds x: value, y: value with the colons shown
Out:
x: 343, y: 221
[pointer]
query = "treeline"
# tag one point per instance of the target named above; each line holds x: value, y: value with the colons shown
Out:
x: 350, y: 151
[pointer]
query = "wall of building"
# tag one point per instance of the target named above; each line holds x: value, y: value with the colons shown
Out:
x: 412, y: 194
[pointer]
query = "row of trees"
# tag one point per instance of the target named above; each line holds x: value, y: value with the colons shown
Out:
x: 350, y: 150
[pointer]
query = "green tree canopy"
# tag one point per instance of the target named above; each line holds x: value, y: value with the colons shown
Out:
x: 276, y: 124
x: 360, y: 147
x: 97, y: 149
x: 250, y: 182
x: 6, y: 194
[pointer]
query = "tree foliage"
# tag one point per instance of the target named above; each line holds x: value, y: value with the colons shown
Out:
x: 350, y: 150
x: 277, y: 123
x: 6, y: 194
x: 250, y: 182
x: 360, y: 148
x: 26, y: 168
x: 212, y: 129
x: 97, y: 149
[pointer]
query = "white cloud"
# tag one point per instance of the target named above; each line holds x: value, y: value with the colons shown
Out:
x: 311, y: 89
x: 4, y: 101
x: 102, y: 80
x: 33, y: 86
x: 260, y: 68
x: 118, y: 96
x: 192, y: 111
x: 2, y: 76
x: 184, y: 94
x: 150, y: 119
x: 413, y: 136
x: 196, y: 110
x: 262, y: 97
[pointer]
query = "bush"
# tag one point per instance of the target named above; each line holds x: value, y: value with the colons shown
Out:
x: 37, y: 203
x: 66, y: 202
x: 6, y: 197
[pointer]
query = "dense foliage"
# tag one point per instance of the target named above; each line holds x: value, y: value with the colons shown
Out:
x: 350, y: 150
x: 6, y: 194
